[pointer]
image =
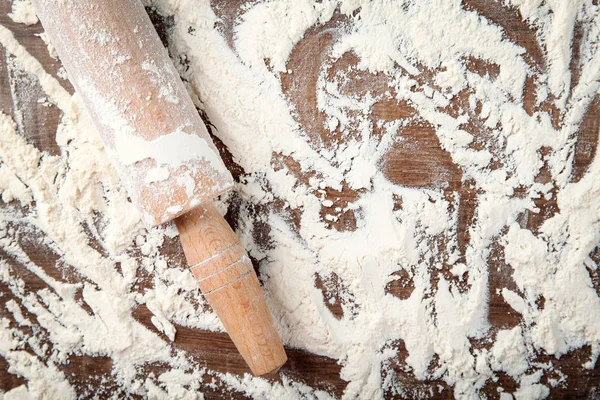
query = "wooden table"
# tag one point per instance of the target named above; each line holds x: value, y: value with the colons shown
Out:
x: 424, y: 164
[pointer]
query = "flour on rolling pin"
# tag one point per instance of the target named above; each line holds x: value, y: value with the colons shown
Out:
x: 163, y: 151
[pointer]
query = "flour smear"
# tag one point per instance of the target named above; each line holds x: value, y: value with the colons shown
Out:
x: 318, y: 103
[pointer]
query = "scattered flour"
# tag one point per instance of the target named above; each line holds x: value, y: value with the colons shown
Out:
x: 23, y: 12
x: 240, y: 85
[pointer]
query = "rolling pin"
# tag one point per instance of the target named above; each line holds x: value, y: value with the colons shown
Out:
x: 163, y: 154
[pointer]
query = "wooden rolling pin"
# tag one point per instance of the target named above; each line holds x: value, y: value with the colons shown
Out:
x: 163, y: 153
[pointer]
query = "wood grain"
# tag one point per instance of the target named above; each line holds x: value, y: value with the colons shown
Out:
x: 425, y: 164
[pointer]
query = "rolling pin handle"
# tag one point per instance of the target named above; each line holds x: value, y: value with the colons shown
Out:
x: 227, y: 279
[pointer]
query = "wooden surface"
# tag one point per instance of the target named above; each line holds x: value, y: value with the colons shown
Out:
x: 423, y: 164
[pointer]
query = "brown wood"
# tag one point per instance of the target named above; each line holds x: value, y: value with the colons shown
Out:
x: 215, y: 350
x: 227, y: 279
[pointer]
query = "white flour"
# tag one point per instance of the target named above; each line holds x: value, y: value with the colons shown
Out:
x: 443, y: 318
x: 23, y: 12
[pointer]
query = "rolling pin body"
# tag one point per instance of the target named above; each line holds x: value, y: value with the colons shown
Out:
x: 163, y: 153
x: 148, y: 123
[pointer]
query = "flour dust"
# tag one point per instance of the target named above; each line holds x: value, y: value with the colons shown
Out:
x: 393, y: 161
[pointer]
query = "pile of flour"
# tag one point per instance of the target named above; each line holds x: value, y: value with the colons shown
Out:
x: 74, y: 205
